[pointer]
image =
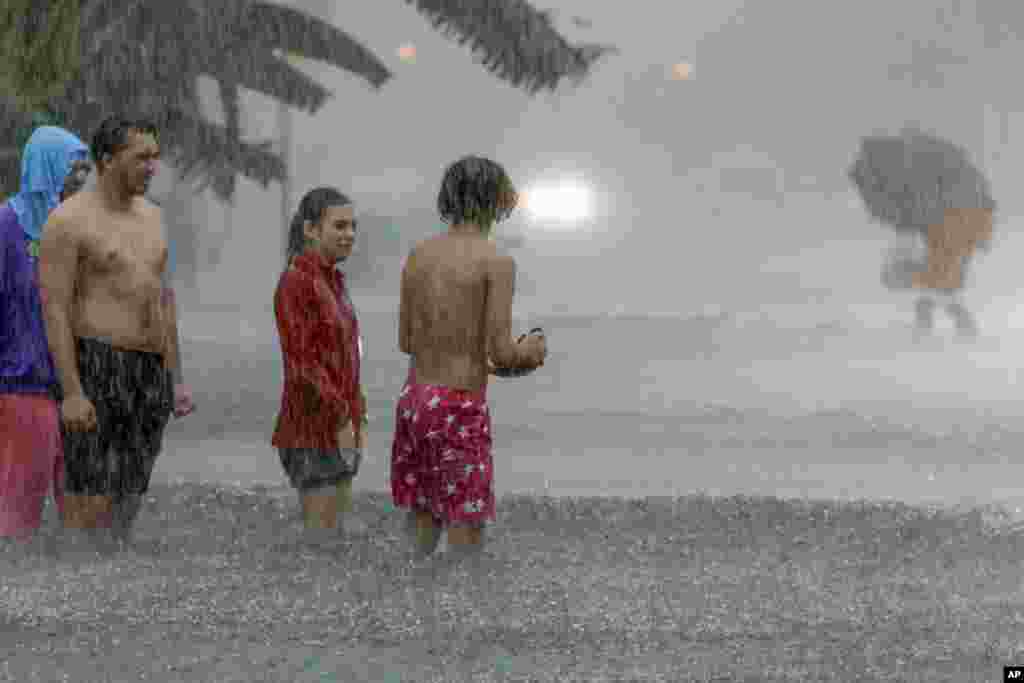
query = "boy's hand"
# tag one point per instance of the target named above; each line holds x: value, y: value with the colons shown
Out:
x: 183, y: 403
x: 536, y: 347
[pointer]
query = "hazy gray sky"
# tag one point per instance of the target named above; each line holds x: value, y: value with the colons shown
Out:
x: 762, y: 135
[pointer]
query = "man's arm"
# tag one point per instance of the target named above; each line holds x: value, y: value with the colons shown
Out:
x: 59, y: 253
x: 404, y: 310
x: 501, y: 281
x: 172, y: 359
x: 169, y: 308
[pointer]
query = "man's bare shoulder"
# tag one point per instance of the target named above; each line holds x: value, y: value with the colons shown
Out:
x: 148, y: 207
x: 151, y: 213
x: 78, y: 214
x: 68, y: 219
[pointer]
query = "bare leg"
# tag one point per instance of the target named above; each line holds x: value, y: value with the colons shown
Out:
x: 466, y: 540
x: 125, y: 512
x: 965, y: 324
x: 484, y: 574
x: 427, y: 533
x: 410, y: 524
x: 424, y: 535
x: 924, y: 317
x: 924, y: 314
x: 344, y: 489
x: 86, y: 521
x: 347, y: 524
x: 465, y: 547
x: 320, y: 508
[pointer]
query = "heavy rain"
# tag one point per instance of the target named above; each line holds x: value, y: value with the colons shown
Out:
x: 266, y: 413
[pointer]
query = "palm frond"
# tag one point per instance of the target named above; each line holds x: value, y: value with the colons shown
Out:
x: 294, y: 31
x: 199, y: 148
x: 106, y: 20
x: 144, y: 56
x: 271, y: 75
x: 224, y: 183
x: 517, y: 42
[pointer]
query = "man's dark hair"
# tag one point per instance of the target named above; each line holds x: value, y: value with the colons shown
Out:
x: 112, y: 135
x: 475, y: 190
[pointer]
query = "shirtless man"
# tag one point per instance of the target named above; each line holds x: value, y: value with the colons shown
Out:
x: 455, y: 323
x: 112, y: 332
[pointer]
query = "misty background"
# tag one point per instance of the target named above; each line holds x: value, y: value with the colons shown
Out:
x: 727, y: 243
x: 732, y: 183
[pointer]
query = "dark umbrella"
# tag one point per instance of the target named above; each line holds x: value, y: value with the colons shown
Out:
x: 908, y: 181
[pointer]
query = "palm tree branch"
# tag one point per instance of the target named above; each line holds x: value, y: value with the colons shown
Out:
x: 105, y: 20
x: 145, y: 56
x: 517, y: 42
x: 297, y: 32
x: 224, y: 183
x: 200, y: 148
x: 271, y: 75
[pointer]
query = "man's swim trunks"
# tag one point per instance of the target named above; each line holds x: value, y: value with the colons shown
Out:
x: 313, y: 468
x: 441, y: 455
x: 133, y: 394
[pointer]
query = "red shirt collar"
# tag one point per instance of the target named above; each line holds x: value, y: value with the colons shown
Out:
x: 313, y: 262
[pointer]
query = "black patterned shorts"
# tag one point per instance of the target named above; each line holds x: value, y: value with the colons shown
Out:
x: 311, y: 468
x: 133, y: 393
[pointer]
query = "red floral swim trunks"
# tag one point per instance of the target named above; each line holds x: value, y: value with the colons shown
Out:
x: 441, y: 455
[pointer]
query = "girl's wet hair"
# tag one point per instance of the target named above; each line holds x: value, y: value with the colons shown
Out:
x: 476, y: 190
x: 311, y: 208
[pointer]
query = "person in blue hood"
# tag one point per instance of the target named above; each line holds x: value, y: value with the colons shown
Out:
x: 54, y: 166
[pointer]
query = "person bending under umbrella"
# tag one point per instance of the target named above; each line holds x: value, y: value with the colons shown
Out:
x: 951, y: 245
x: 925, y: 186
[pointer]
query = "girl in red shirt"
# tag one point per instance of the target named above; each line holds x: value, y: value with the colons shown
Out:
x: 319, y: 430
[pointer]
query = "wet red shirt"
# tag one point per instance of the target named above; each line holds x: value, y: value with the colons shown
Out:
x: 319, y: 341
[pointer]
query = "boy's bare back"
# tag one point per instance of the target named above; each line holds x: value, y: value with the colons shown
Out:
x: 455, y: 306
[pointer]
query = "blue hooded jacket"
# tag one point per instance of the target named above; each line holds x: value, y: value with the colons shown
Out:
x: 25, y: 362
x: 44, y: 166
